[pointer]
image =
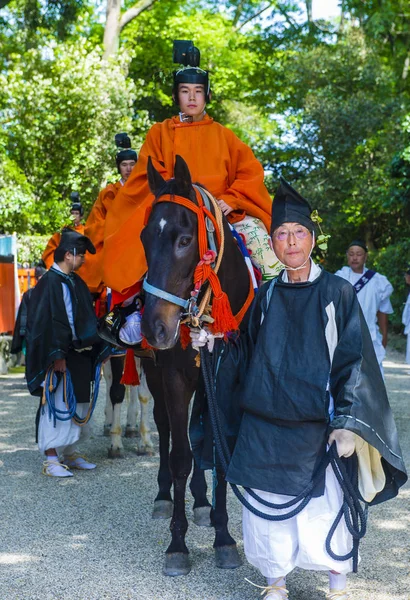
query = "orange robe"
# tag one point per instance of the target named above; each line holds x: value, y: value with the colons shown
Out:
x: 216, y: 158
x: 53, y: 242
x: 91, y: 271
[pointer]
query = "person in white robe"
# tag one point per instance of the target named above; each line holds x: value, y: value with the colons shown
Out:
x: 406, y: 317
x: 373, y: 292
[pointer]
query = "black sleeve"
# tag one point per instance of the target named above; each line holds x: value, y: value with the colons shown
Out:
x: 359, y: 392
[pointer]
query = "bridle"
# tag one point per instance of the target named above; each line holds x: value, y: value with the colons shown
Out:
x: 211, y: 245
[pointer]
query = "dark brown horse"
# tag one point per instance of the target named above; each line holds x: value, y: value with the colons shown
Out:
x: 170, y: 241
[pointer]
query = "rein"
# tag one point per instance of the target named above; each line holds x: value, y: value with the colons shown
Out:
x: 51, y: 383
x: 221, y: 316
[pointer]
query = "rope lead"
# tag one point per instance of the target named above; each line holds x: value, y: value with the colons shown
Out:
x: 51, y: 383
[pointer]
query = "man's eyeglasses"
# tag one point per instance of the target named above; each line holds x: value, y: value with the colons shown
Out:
x: 282, y: 234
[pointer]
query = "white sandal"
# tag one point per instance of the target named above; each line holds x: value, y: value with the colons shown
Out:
x: 53, y: 468
x: 273, y: 591
x: 337, y: 595
x: 76, y: 461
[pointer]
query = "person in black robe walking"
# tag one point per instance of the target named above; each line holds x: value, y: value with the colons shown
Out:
x: 62, y: 334
x: 302, y: 376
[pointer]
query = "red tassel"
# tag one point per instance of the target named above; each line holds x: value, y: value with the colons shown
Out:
x: 130, y: 373
x: 224, y: 320
x: 184, y: 337
x: 145, y: 345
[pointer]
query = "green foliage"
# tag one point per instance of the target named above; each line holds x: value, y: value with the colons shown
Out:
x: 61, y: 107
x: 30, y: 248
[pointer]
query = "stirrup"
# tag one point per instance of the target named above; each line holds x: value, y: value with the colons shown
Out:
x: 50, y: 463
x: 280, y: 591
x: 337, y: 595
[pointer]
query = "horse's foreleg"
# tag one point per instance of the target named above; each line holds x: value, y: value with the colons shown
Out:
x: 226, y: 552
x: 179, y: 390
x: 117, y: 393
x: 163, y: 505
x: 108, y: 411
x: 202, y: 507
x: 131, y: 429
x: 145, y: 445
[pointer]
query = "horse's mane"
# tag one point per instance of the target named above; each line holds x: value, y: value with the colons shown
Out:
x: 172, y: 187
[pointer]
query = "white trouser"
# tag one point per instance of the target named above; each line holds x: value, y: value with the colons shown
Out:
x: 65, y: 435
x: 257, y: 241
x: 277, y: 547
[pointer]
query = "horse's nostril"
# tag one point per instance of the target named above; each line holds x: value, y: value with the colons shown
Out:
x: 160, y: 330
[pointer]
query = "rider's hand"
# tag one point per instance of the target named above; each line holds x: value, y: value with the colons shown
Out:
x: 60, y: 365
x: 345, y: 441
x: 225, y: 208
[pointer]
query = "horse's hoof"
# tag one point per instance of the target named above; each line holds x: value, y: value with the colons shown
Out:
x: 202, y: 516
x: 163, y: 509
x: 131, y: 432
x: 145, y: 451
x: 227, y: 557
x: 115, y: 453
x: 176, y: 564
x: 107, y: 431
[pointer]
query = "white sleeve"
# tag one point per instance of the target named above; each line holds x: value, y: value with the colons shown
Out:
x: 385, y: 291
x: 69, y: 309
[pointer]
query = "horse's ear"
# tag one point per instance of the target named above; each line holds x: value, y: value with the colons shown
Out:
x: 181, y: 172
x: 155, y: 179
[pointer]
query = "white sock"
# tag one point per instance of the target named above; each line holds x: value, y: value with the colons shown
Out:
x: 337, y: 581
x: 274, y: 580
x: 52, y: 457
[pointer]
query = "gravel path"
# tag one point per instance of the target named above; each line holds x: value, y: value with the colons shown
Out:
x: 91, y: 537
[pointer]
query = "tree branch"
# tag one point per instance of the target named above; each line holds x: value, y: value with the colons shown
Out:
x: 134, y: 11
x: 254, y: 16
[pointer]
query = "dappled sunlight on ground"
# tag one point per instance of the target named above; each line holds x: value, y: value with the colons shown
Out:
x: 14, y: 559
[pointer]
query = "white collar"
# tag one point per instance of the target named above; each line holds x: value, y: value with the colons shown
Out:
x: 315, y: 271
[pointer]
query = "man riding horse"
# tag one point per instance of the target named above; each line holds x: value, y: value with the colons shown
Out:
x: 216, y: 158
x: 227, y: 167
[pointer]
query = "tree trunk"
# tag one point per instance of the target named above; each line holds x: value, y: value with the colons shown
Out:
x: 115, y: 22
x: 112, y: 28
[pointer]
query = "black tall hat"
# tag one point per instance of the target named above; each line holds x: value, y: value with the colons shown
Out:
x: 123, y: 143
x: 75, y: 202
x: 74, y: 242
x: 290, y: 207
x: 186, y: 53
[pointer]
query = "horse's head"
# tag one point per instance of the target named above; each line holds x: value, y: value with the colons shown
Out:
x: 170, y: 241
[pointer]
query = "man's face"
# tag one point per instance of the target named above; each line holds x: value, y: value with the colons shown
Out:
x: 191, y: 98
x: 356, y: 257
x: 292, y: 244
x: 76, y: 217
x: 126, y: 167
x: 407, y: 278
x: 75, y: 260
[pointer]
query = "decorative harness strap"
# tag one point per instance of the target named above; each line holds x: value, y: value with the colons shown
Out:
x: 206, y: 271
x: 364, y: 280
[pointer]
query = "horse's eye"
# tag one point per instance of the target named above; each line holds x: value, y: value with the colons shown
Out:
x: 184, y: 241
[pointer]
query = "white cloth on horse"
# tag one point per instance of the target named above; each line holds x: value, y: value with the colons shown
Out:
x: 277, y: 547
x: 406, y: 322
x: 257, y: 240
x: 374, y: 297
x: 64, y: 433
x: 130, y: 332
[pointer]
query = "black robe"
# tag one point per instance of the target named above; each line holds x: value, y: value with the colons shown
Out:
x: 274, y: 384
x: 49, y: 336
x: 20, y: 327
